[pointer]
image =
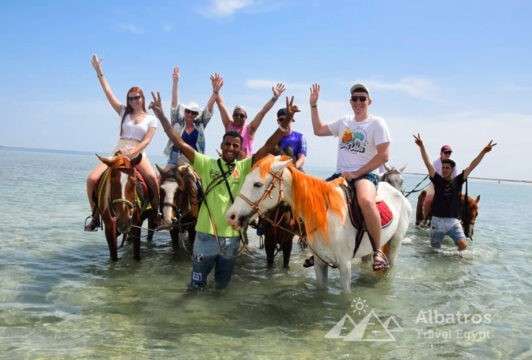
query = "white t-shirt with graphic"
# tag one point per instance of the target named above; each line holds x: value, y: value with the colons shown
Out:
x: 358, y: 140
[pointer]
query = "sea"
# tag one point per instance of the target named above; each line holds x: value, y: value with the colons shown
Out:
x: 62, y: 298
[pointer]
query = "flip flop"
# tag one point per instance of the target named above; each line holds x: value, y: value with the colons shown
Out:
x: 380, y: 261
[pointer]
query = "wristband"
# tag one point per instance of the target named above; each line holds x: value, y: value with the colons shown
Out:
x: 314, y: 106
x: 283, y: 129
x: 100, y: 75
x: 273, y: 99
x: 214, y: 91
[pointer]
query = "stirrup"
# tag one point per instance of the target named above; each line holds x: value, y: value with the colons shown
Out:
x: 93, y: 224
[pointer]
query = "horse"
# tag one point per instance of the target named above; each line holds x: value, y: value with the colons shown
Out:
x: 394, y: 177
x: 181, y: 195
x: 280, y: 225
x: 468, y: 213
x: 322, y: 206
x: 119, y: 203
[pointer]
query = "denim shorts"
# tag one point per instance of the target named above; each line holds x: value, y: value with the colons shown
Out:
x: 176, y: 158
x: 445, y: 226
x: 210, y: 253
x: 374, y: 178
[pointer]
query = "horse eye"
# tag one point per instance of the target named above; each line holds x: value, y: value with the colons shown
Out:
x: 258, y: 184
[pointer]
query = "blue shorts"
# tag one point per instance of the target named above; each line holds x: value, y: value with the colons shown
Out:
x: 208, y: 254
x: 445, y: 226
x: 374, y: 178
x: 176, y: 158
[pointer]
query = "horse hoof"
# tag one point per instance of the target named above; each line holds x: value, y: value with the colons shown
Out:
x: 309, y: 262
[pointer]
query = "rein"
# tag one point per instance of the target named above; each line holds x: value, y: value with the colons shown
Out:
x: 415, y: 189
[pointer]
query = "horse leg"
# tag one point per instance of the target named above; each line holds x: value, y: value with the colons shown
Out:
x: 345, y: 275
x: 321, y: 271
x: 152, y: 224
x: 419, y: 207
x: 191, y: 237
x: 269, y: 243
x: 174, y: 234
x: 111, y: 242
x: 287, y: 249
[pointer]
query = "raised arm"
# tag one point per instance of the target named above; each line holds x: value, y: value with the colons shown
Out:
x: 257, y: 120
x: 281, y: 131
x: 224, y: 113
x: 175, y: 87
x: 424, y: 155
x: 173, y: 135
x: 320, y: 129
x: 115, y: 103
x: 478, y: 159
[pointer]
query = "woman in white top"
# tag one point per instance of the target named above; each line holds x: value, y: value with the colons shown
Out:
x: 137, y: 128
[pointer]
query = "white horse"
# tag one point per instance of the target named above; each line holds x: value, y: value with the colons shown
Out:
x: 322, y: 206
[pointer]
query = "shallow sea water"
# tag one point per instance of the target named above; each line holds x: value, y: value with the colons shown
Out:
x: 61, y: 296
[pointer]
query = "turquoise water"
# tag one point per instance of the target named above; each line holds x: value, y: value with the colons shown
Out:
x: 61, y: 297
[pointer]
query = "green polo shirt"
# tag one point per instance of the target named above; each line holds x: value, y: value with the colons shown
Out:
x: 218, y: 199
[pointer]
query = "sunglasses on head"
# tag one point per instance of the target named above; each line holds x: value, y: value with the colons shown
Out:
x: 131, y: 98
x: 239, y: 115
x: 355, y: 98
x: 187, y: 111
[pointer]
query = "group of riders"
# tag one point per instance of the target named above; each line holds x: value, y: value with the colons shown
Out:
x: 363, y: 149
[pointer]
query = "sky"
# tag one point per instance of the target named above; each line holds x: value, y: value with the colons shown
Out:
x: 458, y: 72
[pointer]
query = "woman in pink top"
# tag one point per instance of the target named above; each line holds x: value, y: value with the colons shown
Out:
x: 137, y: 128
x: 238, y: 122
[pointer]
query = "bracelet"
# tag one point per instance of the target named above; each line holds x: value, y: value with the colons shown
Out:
x: 283, y: 129
x: 100, y: 75
x: 314, y: 106
x: 214, y: 91
x: 273, y: 99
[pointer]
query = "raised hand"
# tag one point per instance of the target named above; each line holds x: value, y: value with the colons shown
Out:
x: 156, y: 106
x: 418, y: 140
x: 217, y: 82
x: 291, y: 110
x: 488, y: 147
x: 314, y: 94
x: 278, y: 90
x: 175, y: 74
x: 95, y: 61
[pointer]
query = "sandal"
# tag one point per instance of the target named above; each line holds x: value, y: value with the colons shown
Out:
x: 380, y: 261
x: 309, y: 262
x: 93, y: 225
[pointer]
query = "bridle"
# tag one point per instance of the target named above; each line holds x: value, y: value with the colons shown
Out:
x: 276, y: 177
x: 176, y: 222
x: 113, y: 202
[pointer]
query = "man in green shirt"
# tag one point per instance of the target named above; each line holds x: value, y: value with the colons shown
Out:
x: 216, y: 243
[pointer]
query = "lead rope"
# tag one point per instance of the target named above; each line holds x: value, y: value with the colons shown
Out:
x: 415, y: 189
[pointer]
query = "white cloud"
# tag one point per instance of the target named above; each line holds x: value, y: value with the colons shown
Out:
x: 131, y: 28
x: 224, y: 8
x: 415, y: 87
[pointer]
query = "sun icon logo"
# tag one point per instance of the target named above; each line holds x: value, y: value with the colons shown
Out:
x: 359, y: 306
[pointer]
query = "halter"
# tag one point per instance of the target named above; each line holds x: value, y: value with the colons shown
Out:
x: 113, y: 202
x: 278, y: 176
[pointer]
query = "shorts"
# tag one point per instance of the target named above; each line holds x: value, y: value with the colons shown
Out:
x: 374, y: 178
x: 445, y: 226
x: 176, y: 158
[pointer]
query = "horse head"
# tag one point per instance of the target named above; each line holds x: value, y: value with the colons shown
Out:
x: 394, y: 177
x: 265, y: 187
x: 469, y: 215
x: 119, y: 201
x: 179, y: 194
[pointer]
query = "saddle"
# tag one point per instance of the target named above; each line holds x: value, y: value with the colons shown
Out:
x: 355, y: 214
x: 143, y: 191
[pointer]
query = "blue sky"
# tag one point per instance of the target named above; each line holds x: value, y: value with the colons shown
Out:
x: 458, y: 72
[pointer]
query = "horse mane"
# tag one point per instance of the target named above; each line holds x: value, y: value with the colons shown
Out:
x: 312, y: 197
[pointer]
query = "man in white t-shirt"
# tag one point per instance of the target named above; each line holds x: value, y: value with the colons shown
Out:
x: 363, y: 149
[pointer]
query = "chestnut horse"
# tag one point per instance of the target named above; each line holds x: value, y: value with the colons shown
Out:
x: 323, y: 207
x: 120, y: 205
x: 181, y: 196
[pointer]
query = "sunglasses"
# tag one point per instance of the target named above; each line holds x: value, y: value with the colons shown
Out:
x: 239, y: 115
x: 187, y: 111
x: 235, y: 145
x: 355, y: 98
x: 447, y: 152
x: 131, y: 98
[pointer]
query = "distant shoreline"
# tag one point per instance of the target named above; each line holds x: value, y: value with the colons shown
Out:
x: 75, y: 152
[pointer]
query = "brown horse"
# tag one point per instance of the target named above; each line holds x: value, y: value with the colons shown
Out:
x: 181, y: 196
x: 469, y: 212
x: 120, y: 206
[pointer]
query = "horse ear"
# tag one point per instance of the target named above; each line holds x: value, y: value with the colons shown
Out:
x: 159, y: 169
x: 387, y: 168
x: 280, y: 165
x: 478, y: 199
x: 136, y: 160
x: 402, y: 169
x: 107, y: 161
